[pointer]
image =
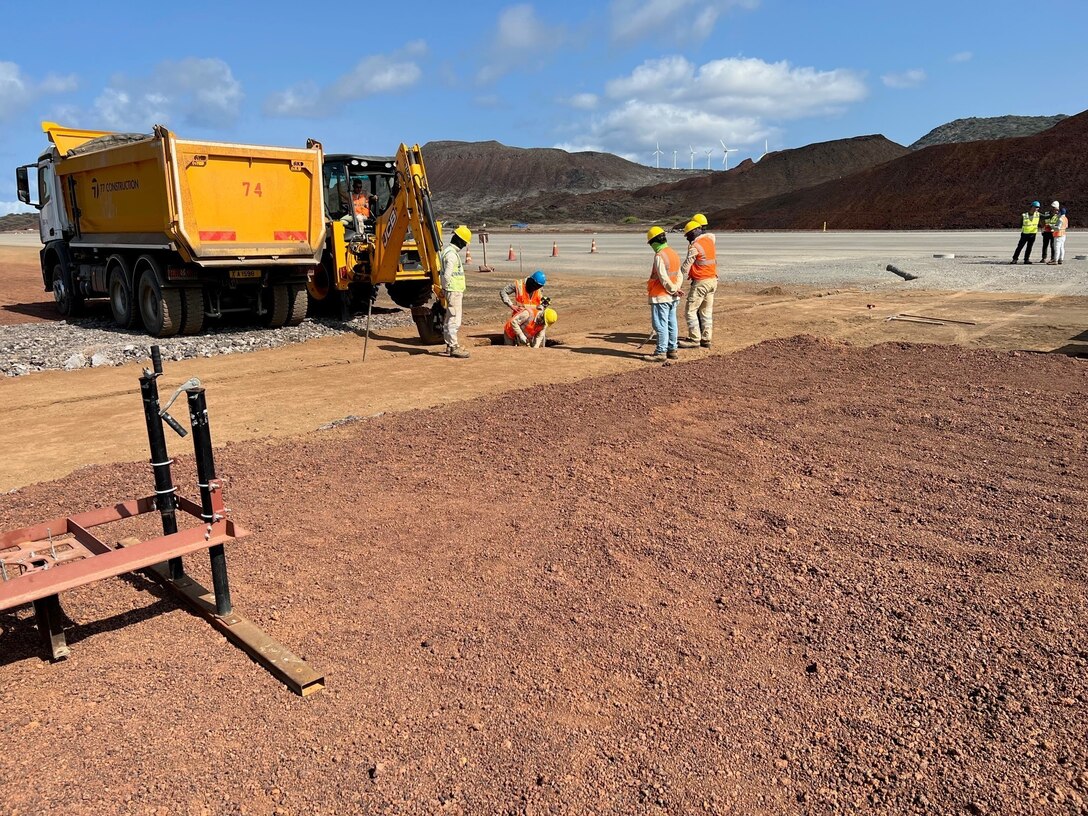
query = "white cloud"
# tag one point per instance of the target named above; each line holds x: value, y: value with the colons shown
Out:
x: 682, y: 20
x: 962, y: 56
x: 18, y: 90
x: 376, y: 74
x: 9, y: 207
x: 193, y: 91
x: 907, y: 79
x: 521, y: 40
x: 584, y: 101
x: 738, y: 100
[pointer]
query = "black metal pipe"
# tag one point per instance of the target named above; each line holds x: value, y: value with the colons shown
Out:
x: 165, y: 498
x: 205, y: 474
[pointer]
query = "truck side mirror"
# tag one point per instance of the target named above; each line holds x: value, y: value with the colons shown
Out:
x: 22, y: 181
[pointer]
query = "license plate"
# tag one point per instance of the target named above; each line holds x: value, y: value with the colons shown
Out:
x: 245, y: 274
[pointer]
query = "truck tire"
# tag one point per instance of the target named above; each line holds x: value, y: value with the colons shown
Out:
x: 68, y: 298
x: 407, y: 294
x: 298, y: 298
x: 160, y: 309
x: 119, y: 289
x: 192, y: 310
x: 277, y: 306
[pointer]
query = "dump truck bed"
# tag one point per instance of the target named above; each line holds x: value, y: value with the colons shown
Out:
x: 216, y: 203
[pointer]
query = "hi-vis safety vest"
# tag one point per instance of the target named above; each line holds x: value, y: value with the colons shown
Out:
x: 457, y: 276
x: 522, y: 296
x: 531, y: 328
x: 361, y: 203
x: 706, y: 264
x: 1060, y: 226
x: 672, y: 269
x: 1031, y: 223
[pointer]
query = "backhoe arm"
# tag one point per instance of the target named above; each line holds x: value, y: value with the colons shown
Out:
x: 410, y: 208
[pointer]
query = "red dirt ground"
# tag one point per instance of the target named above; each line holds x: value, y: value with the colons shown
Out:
x: 804, y: 578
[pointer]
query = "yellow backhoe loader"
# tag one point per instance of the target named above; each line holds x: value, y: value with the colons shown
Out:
x: 381, y: 230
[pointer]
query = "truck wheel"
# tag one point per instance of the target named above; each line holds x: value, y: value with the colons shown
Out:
x: 119, y: 288
x: 160, y: 308
x: 277, y: 306
x: 192, y: 309
x: 68, y: 298
x: 407, y: 294
x: 298, y: 303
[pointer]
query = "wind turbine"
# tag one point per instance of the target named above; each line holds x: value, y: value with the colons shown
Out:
x: 692, y: 149
x: 658, y: 153
x: 674, y: 159
x: 766, y: 150
x: 708, y: 151
x: 726, y: 151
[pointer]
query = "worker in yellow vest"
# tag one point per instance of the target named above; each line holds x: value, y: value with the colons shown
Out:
x: 453, y: 288
x: 663, y: 290
x: 701, y: 268
x: 1029, y: 228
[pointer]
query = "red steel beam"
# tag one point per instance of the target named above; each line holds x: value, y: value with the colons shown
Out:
x: 36, y: 585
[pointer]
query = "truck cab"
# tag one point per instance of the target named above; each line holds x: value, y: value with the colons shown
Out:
x: 53, y: 224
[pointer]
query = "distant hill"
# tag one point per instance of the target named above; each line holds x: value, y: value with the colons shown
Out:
x: 469, y: 179
x: 975, y: 129
x: 778, y: 172
x: 17, y: 222
x: 969, y: 185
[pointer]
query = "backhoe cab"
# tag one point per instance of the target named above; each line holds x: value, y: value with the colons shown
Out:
x: 381, y: 229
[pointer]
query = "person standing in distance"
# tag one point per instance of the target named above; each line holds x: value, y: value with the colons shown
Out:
x: 1029, y: 228
x: 453, y: 288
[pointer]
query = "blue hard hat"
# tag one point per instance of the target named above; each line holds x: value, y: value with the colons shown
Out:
x: 539, y: 277
x: 1035, y: 203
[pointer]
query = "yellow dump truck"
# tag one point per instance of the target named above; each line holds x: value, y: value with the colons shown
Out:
x: 174, y: 231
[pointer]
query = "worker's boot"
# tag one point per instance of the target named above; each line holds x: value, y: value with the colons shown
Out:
x: 458, y: 352
x: 704, y: 343
x: 688, y: 344
x: 654, y: 358
x: 672, y: 354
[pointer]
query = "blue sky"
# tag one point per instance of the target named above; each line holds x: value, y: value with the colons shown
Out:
x: 616, y: 75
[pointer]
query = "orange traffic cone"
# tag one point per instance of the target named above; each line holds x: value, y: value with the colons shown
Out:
x: 511, y: 256
x: 593, y: 246
x: 468, y: 255
x: 555, y: 249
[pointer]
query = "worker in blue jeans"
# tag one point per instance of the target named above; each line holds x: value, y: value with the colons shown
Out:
x: 663, y: 290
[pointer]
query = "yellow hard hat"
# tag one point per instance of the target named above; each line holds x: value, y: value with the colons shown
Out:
x: 464, y: 233
x: 550, y: 316
x: 652, y: 233
x: 700, y: 219
x: 692, y: 225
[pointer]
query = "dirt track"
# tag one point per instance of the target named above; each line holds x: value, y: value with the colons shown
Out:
x: 55, y: 422
x: 805, y: 578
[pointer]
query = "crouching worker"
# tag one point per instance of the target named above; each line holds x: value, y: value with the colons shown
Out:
x: 523, y: 293
x: 528, y: 326
x: 663, y: 289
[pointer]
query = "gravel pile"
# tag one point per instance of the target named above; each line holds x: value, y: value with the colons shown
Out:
x: 96, y: 342
x: 972, y: 274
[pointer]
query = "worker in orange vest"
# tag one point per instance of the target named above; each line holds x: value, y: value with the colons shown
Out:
x: 701, y: 268
x: 360, y: 205
x: 663, y: 290
x: 522, y: 293
x: 527, y: 326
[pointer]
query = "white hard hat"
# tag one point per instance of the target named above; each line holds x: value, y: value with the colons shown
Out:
x: 1054, y: 204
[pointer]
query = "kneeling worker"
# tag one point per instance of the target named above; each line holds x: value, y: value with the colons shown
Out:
x: 522, y: 293
x: 528, y: 326
x: 453, y: 288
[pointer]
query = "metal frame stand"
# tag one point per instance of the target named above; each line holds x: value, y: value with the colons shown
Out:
x: 40, y: 561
